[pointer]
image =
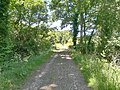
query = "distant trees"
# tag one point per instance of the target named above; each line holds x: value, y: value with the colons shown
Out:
x: 62, y: 37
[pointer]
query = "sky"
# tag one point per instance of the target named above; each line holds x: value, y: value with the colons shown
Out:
x: 57, y: 24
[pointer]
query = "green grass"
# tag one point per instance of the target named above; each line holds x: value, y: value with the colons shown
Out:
x: 98, y: 74
x: 17, y: 72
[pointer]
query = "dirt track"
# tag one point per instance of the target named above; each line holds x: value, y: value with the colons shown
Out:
x: 59, y: 73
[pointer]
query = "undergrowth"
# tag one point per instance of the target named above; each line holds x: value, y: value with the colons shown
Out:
x: 98, y: 74
x: 13, y: 77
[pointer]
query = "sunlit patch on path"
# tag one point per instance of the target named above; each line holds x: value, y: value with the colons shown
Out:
x: 67, y: 57
x: 48, y: 87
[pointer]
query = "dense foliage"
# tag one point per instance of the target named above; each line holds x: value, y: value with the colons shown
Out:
x: 24, y: 40
x: 24, y: 30
x: 95, y: 30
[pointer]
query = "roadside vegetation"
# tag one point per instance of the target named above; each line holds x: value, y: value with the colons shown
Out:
x: 15, y: 73
x: 24, y: 40
x: 98, y: 74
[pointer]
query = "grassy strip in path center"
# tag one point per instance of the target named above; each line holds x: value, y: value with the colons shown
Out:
x: 13, y: 78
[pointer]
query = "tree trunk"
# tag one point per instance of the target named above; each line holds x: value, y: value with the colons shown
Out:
x: 81, y: 32
x: 85, y: 32
x: 75, y: 28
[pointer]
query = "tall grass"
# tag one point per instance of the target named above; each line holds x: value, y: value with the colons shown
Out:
x: 14, y: 75
x: 98, y: 74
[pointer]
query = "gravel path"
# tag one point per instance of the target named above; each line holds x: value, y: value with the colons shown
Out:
x: 60, y: 73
